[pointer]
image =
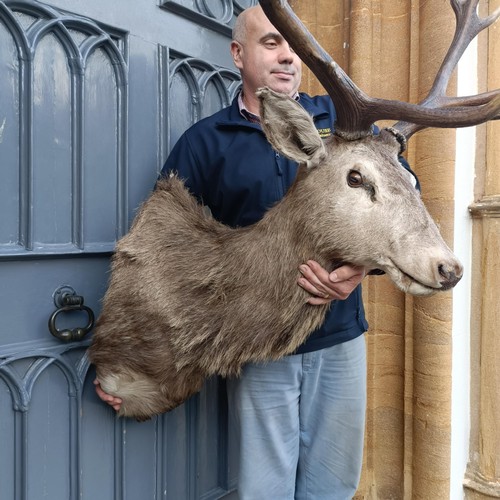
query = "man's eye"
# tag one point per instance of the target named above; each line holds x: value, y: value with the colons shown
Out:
x: 271, y: 45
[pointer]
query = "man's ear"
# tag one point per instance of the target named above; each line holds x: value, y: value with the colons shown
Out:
x: 289, y: 128
x: 235, y: 49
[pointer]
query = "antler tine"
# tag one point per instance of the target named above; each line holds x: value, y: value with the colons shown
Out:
x: 479, y: 108
x: 468, y: 26
x: 356, y: 111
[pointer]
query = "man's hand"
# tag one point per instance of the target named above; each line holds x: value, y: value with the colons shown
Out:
x: 107, y: 398
x: 325, y: 286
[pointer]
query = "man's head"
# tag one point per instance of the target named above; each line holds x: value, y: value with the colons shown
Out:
x: 263, y: 56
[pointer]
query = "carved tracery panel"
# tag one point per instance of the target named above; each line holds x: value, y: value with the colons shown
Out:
x: 196, y: 90
x: 60, y: 76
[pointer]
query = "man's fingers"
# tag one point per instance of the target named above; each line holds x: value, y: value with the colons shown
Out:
x: 346, y: 272
x: 311, y: 280
x: 107, y: 398
x: 318, y: 301
x: 324, y: 286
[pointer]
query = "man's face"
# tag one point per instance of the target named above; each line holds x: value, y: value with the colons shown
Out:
x: 264, y: 58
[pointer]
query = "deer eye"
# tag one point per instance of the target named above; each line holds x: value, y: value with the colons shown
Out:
x: 355, y: 179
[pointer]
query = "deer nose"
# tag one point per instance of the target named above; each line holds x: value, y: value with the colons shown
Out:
x: 451, y: 274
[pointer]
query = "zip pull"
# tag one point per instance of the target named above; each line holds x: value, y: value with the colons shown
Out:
x: 278, y: 163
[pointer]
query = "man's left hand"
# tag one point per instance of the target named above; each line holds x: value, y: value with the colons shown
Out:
x: 325, y: 286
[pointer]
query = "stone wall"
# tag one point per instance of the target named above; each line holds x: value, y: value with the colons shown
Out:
x: 393, y: 50
x: 483, y: 472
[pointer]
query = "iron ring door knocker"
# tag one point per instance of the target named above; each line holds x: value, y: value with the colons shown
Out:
x: 66, y: 300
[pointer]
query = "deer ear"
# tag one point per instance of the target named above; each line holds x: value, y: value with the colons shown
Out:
x: 289, y: 128
x: 392, y: 134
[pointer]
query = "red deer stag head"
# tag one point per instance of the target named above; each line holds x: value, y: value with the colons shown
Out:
x: 189, y: 297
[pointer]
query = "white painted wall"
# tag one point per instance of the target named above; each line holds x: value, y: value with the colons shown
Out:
x: 462, y: 244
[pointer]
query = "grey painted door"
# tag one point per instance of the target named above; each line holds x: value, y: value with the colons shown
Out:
x: 93, y: 95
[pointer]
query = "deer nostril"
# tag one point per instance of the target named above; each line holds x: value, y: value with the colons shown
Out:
x: 451, y: 275
x: 442, y: 271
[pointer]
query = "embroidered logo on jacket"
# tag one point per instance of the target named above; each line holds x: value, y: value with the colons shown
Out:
x: 324, y: 132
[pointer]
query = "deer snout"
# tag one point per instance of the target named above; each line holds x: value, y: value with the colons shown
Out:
x: 451, y: 274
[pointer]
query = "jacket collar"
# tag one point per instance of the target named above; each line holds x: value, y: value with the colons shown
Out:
x: 233, y: 116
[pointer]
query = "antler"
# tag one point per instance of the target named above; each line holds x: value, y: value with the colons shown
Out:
x: 468, y: 26
x: 356, y: 111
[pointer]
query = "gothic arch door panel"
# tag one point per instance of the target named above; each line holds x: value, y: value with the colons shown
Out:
x: 92, y: 97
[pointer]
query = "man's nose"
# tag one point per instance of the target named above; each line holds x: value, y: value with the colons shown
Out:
x: 286, y: 54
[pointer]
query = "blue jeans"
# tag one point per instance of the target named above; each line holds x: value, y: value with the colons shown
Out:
x: 301, y: 424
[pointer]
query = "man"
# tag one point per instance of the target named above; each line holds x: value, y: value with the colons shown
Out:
x: 300, y: 419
